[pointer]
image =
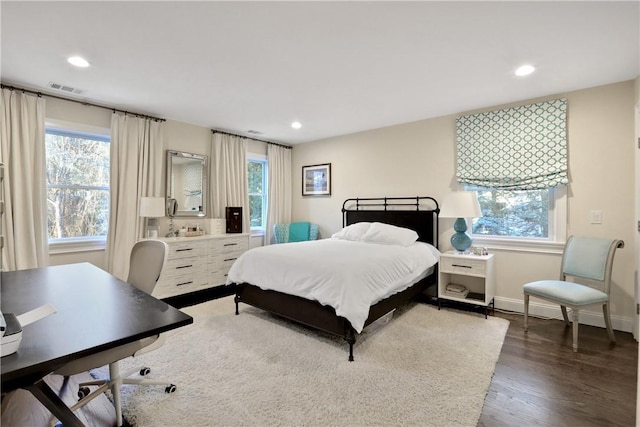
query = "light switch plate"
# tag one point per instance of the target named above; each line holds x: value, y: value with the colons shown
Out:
x: 595, y: 217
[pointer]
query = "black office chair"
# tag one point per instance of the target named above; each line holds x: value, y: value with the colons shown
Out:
x: 146, y: 263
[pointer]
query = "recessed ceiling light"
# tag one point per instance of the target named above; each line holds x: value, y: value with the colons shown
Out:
x: 78, y: 61
x: 296, y: 125
x: 525, y: 70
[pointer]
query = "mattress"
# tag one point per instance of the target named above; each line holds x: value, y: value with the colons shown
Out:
x: 349, y: 276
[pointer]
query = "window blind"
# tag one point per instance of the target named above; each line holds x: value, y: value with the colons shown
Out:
x: 520, y: 148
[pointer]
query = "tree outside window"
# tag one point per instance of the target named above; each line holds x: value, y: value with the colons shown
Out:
x: 77, y: 184
x: 513, y: 213
x: 257, y: 170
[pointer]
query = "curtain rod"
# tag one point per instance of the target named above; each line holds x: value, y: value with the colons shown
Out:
x: 40, y: 94
x: 255, y: 139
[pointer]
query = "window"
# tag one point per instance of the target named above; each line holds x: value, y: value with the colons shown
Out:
x: 257, y: 177
x: 516, y: 161
x: 527, y: 216
x: 77, y: 184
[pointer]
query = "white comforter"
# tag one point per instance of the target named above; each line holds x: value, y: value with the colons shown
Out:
x: 349, y: 276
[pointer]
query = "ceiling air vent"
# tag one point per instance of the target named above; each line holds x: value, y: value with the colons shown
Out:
x: 65, y: 88
x: 254, y: 132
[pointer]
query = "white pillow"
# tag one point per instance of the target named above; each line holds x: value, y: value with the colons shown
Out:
x: 387, y: 234
x: 352, y: 232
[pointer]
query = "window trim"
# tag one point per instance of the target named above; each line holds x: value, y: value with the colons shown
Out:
x: 260, y: 158
x: 85, y: 243
x: 77, y: 244
x: 557, y: 231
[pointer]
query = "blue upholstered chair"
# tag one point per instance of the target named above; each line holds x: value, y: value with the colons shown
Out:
x: 295, y: 232
x: 588, y: 260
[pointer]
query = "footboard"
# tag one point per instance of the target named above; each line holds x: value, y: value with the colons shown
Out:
x: 322, y: 317
x: 301, y: 310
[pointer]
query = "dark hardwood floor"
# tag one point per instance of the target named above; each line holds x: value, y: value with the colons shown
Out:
x: 540, y: 381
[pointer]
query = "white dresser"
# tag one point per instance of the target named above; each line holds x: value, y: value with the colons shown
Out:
x: 196, y: 263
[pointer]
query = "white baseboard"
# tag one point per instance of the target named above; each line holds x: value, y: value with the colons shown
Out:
x: 592, y: 318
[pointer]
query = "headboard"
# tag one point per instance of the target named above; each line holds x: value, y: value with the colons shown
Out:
x: 416, y: 213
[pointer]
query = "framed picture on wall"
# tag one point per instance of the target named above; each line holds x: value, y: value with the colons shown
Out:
x: 316, y: 180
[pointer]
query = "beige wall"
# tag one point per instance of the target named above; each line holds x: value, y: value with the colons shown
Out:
x: 418, y: 159
x: 178, y: 136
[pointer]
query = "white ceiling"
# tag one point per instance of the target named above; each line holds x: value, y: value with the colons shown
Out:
x: 337, y: 67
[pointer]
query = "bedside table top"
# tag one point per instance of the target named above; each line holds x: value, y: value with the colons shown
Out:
x: 454, y: 254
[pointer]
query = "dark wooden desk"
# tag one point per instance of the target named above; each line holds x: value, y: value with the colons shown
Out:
x: 95, y: 312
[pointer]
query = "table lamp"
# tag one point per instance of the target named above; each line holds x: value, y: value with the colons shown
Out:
x: 460, y: 205
x: 152, y: 208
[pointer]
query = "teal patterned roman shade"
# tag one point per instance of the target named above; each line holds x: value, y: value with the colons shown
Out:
x: 521, y: 148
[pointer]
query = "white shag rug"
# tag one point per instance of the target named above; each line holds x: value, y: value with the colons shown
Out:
x: 423, y: 367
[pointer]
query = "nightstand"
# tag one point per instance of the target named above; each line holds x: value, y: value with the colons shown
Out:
x: 476, y: 273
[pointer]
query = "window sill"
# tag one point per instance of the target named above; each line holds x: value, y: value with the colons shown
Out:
x: 257, y: 232
x: 65, y: 246
x: 519, y: 245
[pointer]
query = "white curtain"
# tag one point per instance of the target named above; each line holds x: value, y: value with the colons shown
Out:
x: 22, y: 150
x: 137, y: 148
x: 279, y: 196
x: 228, y: 176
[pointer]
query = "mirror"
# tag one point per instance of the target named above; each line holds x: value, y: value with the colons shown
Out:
x: 186, y: 184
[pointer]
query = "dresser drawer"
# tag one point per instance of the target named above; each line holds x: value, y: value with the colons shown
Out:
x: 229, y: 244
x: 183, y: 281
x: 462, y: 266
x: 184, y: 267
x: 186, y: 249
x: 218, y: 279
x: 197, y: 264
x: 221, y: 267
x: 227, y: 250
x: 225, y: 257
x: 177, y: 285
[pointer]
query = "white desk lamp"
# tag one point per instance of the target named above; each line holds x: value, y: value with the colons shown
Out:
x: 152, y: 208
x: 460, y: 205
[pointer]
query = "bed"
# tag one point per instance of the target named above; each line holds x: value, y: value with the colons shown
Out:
x: 419, y: 214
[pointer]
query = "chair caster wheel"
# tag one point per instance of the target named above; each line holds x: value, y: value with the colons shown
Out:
x: 145, y: 371
x: 170, y: 389
x: 83, y: 392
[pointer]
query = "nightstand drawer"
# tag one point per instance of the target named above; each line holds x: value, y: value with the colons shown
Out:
x: 462, y: 266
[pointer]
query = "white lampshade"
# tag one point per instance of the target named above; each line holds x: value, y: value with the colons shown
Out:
x: 152, y: 207
x: 461, y: 204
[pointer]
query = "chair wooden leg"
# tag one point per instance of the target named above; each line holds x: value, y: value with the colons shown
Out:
x: 607, y: 321
x: 526, y: 311
x: 564, y: 315
x: 575, y: 329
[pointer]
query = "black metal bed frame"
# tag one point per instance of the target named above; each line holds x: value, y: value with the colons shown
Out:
x: 390, y: 210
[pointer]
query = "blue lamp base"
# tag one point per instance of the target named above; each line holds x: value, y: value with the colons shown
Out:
x: 460, y: 240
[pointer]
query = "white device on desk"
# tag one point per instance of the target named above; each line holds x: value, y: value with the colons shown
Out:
x: 11, y: 327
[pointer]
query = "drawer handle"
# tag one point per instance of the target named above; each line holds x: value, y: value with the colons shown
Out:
x: 230, y: 244
x: 184, y: 266
x: 185, y: 283
x: 460, y: 265
x: 230, y: 259
x: 182, y: 250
